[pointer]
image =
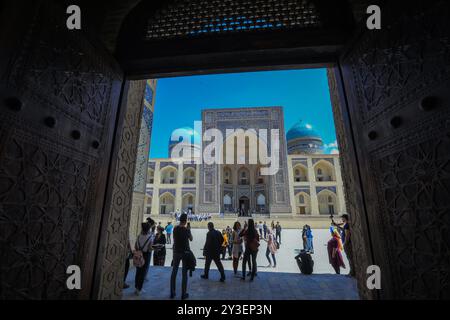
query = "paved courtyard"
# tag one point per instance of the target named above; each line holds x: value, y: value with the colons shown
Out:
x: 266, y: 286
x: 282, y: 282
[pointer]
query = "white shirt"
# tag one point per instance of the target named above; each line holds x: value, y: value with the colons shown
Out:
x: 141, y: 239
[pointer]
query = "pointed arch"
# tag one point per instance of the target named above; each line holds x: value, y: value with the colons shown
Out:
x: 189, y: 176
x: 328, y: 202
x: 166, y: 203
x: 324, y: 171
x: 303, y: 203
x: 168, y: 175
x: 300, y: 172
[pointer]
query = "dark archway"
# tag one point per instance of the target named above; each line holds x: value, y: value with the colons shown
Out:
x: 389, y: 93
x: 244, y: 205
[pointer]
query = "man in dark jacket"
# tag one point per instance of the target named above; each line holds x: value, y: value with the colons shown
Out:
x: 212, y: 250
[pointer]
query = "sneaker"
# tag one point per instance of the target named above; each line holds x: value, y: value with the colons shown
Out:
x: 274, y: 265
x: 270, y: 265
x: 125, y: 286
x: 137, y: 292
x: 222, y: 279
x: 185, y: 296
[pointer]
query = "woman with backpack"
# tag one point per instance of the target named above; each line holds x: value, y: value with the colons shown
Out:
x: 251, y: 240
x: 141, y: 256
x: 271, y: 249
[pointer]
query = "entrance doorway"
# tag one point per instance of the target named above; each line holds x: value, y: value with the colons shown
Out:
x: 385, y: 138
x: 244, y: 205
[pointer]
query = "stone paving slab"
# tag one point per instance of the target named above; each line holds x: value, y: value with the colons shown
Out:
x: 266, y: 286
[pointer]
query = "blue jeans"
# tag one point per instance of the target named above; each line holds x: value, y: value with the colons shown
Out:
x: 141, y: 272
x: 268, y: 257
x: 309, y: 244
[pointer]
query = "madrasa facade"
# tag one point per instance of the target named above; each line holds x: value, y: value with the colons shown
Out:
x: 308, y: 181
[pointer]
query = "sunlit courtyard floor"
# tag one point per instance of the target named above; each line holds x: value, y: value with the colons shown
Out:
x: 282, y: 282
x: 266, y: 286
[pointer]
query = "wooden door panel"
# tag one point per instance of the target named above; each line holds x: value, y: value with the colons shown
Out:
x: 397, y: 81
x: 59, y: 93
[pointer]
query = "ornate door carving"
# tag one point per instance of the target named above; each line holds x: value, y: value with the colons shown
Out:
x: 396, y: 82
x: 59, y: 93
x: 116, y: 218
x: 362, y: 253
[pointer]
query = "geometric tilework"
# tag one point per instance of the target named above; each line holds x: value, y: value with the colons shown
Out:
x: 195, y: 18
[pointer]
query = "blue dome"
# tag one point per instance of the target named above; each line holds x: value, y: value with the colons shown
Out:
x: 195, y: 138
x: 302, y: 130
x: 303, y: 139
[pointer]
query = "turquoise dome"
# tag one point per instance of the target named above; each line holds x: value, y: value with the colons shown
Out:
x: 195, y: 138
x: 303, y: 139
x: 194, y: 141
x: 301, y: 130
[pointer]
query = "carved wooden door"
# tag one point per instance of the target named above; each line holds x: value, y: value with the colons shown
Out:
x: 396, y: 81
x: 59, y: 94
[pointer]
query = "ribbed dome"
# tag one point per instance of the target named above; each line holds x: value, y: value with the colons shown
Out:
x: 194, y: 141
x: 301, y: 130
x: 303, y: 139
x: 183, y: 132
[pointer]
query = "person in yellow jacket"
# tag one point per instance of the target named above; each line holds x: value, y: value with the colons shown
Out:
x: 224, y: 244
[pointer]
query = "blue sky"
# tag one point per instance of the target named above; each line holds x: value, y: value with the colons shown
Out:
x: 303, y: 94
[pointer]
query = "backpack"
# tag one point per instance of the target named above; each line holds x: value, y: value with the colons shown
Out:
x: 138, y: 256
x: 191, y: 262
x: 305, y: 262
x: 277, y: 244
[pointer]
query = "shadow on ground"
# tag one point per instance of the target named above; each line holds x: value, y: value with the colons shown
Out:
x: 266, y: 286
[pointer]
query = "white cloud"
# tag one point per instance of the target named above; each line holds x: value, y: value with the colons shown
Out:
x: 331, y: 148
x: 331, y: 145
